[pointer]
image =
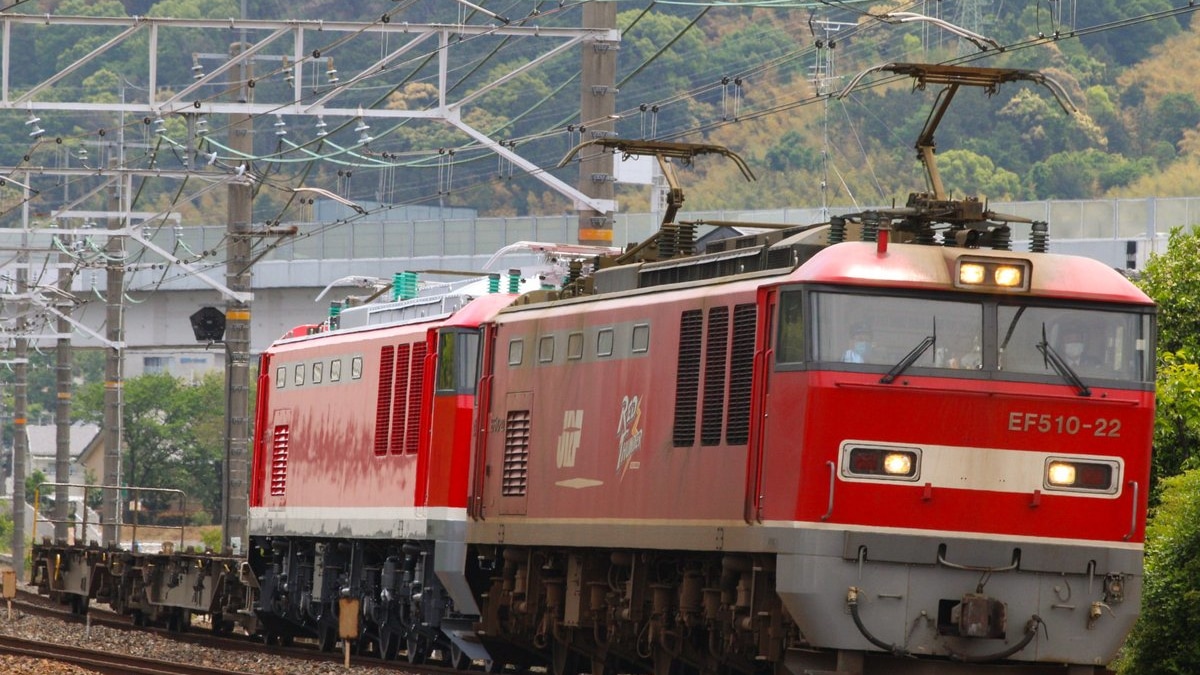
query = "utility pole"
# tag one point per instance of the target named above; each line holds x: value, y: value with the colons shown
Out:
x: 238, y: 278
x: 62, y: 411
x: 113, y: 366
x: 20, y: 410
x: 21, y: 397
x: 597, y: 105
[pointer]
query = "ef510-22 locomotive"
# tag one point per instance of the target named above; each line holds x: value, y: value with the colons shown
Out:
x: 889, y: 444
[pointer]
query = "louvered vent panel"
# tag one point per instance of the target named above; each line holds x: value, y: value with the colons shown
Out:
x: 741, y: 374
x: 687, y: 378
x: 279, y: 458
x: 715, y: 355
x: 516, y: 454
x: 416, y: 396
x: 383, y: 406
x: 400, y: 395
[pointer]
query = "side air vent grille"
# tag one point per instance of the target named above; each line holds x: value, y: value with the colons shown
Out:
x: 516, y: 454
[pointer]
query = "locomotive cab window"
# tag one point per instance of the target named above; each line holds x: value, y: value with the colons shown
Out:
x: 995, y: 337
x: 458, y: 362
x: 1087, y: 343
x: 887, y: 331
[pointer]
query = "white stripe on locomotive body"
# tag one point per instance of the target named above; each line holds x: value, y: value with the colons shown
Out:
x: 371, y: 522
x: 978, y: 468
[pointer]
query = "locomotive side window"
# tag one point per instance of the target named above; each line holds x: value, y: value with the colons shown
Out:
x: 575, y: 346
x: 790, y: 347
x: 335, y: 370
x: 280, y: 377
x: 516, y: 351
x: 604, y: 342
x: 299, y: 374
x: 356, y: 368
x: 641, y: 338
x: 318, y: 372
x: 458, y: 362
x: 546, y: 349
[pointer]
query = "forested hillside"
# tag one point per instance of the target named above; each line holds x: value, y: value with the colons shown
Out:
x: 761, y: 80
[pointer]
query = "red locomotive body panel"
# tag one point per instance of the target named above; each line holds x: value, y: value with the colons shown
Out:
x: 346, y: 440
x: 733, y: 416
x: 587, y: 389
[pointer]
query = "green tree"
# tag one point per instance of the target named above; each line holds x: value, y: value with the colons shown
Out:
x: 966, y: 173
x: 173, y: 435
x: 1177, y: 419
x: 1164, y: 639
x: 1172, y: 280
x: 32, y: 482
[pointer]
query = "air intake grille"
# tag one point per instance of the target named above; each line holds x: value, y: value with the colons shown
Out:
x: 687, y: 378
x: 279, y: 458
x: 741, y: 374
x: 715, y: 360
x: 383, y: 405
x: 416, y: 394
x: 516, y: 454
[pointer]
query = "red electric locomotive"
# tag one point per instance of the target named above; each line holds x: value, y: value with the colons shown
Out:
x: 885, y: 444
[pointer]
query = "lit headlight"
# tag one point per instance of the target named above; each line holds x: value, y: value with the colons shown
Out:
x: 880, y: 462
x: 992, y: 273
x: 898, y: 463
x: 972, y: 273
x: 1077, y: 475
x: 1061, y: 474
x: 1008, y: 276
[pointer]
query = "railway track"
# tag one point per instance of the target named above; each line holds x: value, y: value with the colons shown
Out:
x: 36, y: 607
x: 104, y: 662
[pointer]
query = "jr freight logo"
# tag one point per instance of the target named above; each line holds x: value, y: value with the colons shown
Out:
x: 629, y: 433
x: 568, y: 440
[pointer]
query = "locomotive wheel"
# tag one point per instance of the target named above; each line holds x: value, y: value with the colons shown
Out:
x: 415, y: 650
x: 327, y: 637
x: 389, y: 645
x: 458, y: 658
x: 563, y: 661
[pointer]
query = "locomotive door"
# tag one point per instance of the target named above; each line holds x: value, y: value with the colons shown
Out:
x: 514, y: 469
x: 764, y: 355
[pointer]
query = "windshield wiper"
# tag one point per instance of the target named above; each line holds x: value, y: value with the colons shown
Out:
x: 911, y: 357
x: 1060, y: 365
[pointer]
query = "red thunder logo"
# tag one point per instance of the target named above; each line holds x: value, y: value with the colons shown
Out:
x: 629, y: 433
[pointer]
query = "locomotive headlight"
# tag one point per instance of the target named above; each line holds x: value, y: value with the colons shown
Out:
x: 898, y: 463
x: 992, y: 273
x: 1082, y: 475
x: 1061, y: 473
x: 972, y: 273
x: 1008, y: 276
x: 880, y: 462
